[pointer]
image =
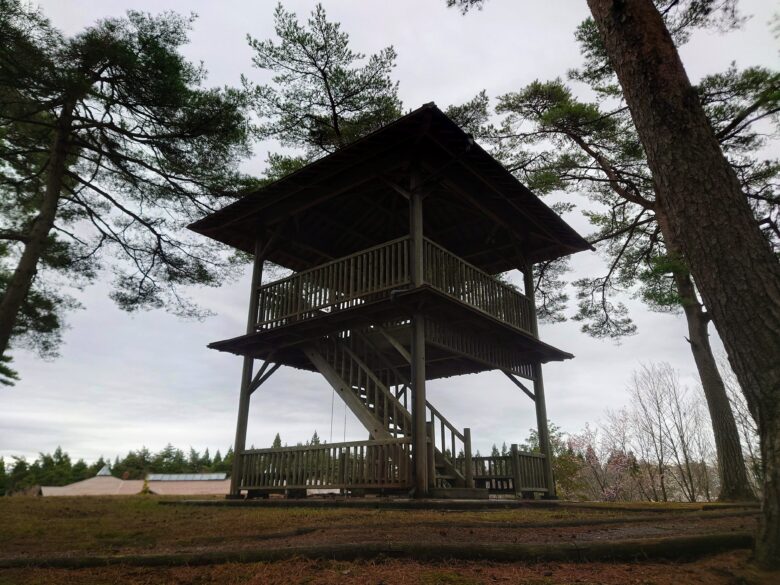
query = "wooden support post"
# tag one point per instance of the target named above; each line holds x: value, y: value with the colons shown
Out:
x: 539, y: 400
x: 419, y: 449
x: 543, y: 432
x: 419, y: 441
x: 517, y: 481
x: 246, y: 375
x: 343, y: 475
x: 469, y: 463
x: 416, y: 230
x: 430, y: 432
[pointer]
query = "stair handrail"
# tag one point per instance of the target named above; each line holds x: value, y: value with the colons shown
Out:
x: 386, y: 391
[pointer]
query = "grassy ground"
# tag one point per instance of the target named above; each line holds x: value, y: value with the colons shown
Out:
x: 136, y: 524
x: 36, y: 528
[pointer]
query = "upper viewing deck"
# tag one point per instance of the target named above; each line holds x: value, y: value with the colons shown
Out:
x: 377, y: 273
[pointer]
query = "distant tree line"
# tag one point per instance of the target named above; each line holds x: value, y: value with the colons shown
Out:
x: 58, y: 468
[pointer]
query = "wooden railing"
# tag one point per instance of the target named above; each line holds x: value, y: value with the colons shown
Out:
x: 516, y: 472
x: 372, y: 273
x: 336, y: 285
x: 358, y: 464
x: 450, y: 441
x: 455, y: 277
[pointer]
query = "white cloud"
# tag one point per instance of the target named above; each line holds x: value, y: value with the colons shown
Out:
x: 126, y: 381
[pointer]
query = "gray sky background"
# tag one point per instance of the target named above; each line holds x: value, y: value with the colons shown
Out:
x: 124, y: 381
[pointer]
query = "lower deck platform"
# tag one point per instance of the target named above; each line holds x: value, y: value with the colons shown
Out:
x: 459, y: 339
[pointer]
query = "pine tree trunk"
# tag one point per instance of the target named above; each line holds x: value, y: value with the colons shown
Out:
x: 734, y: 485
x: 23, y: 275
x: 735, y: 270
x: 732, y: 472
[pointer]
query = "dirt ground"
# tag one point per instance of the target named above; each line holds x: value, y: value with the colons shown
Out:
x: 34, y: 529
x: 724, y: 569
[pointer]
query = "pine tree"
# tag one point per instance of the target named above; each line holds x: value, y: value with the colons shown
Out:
x: 323, y: 94
x: 735, y: 270
x: 109, y: 146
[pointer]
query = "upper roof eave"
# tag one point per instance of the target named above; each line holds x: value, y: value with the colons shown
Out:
x: 217, y: 225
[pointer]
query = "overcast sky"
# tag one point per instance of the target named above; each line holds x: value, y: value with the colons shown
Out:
x: 124, y: 381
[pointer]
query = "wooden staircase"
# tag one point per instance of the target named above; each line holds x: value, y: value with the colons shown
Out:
x: 378, y: 394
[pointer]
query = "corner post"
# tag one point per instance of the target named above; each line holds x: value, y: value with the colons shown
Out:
x: 431, y: 455
x: 517, y: 480
x: 469, y: 463
x: 246, y: 374
x: 539, y: 401
x: 419, y: 437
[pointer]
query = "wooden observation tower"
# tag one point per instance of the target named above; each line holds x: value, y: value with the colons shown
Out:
x: 395, y: 242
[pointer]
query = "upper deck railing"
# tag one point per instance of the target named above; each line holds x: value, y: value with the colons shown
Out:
x: 373, y: 273
x: 455, y: 277
x: 335, y: 285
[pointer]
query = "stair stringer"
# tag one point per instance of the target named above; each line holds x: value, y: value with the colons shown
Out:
x: 374, y: 426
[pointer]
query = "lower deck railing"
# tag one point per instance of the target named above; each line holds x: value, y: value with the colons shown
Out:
x: 516, y: 472
x: 383, y: 464
x: 358, y: 464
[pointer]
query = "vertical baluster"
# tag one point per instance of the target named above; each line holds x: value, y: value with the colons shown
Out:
x: 372, y: 452
x: 338, y: 269
x: 453, y: 452
x: 318, y: 287
x: 351, y: 461
x: 327, y: 468
x: 370, y: 272
x: 392, y: 262
x: 376, y: 271
x: 386, y: 408
x: 362, y: 275
x: 323, y: 468
x: 379, y: 279
x: 387, y: 256
x: 315, y: 290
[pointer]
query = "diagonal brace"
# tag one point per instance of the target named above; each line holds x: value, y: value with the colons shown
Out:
x: 520, y: 385
x: 262, y: 375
